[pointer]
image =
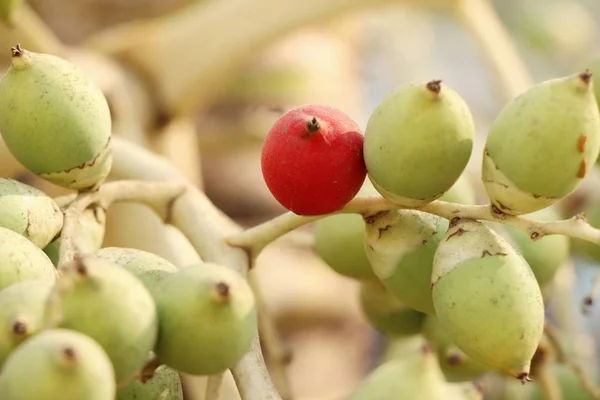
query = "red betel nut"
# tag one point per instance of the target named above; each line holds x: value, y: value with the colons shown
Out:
x: 312, y: 160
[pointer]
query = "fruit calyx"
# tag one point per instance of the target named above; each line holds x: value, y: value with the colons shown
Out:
x: 586, y: 76
x: 312, y: 126
x: 434, y: 86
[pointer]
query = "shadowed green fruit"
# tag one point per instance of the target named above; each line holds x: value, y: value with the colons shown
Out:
x: 486, y: 298
x: 386, y: 313
x: 149, y: 268
x: 55, y: 120
x: 207, y: 319
x: 165, y: 384
x: 400, y: 245
x: 455, y: 364
x: 461, y: 192
x: 21, y: 313
x: 21, y: 260
x: 339, y: 241
x: 417, y: 143
x: 108, y: 303
x: 533, y: 160
x: 58, y: 364
x: 29, y: 211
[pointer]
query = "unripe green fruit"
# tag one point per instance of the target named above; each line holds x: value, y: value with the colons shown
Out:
x: 108, y: 303
x: 546, y: 255
x: 207, y: 319
x: 400, y: 245
x: 486, y: 298
x: 21, y: 313
x: 165, y: 384
x: 455, y: 364
x: 386, y: 313
x: 339, y: 241
x: 89, y: 231
x: 29, y: 211
x: 21, y: 260
x: 461, y: 192
x: 149, y: 268
x: 55, y: 120
x: 58, y: 364
x: 418, y: 142
x: 7, y: 9
x: 532, y: 161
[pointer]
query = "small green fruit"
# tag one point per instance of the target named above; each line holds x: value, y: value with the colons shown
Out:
x: 486, y: 298
x: 418, y: 142
x: 339, y: 241
x: 21, y: 260
x: 55, y: 120
x: 21, y: 313
x: 207, y: 319
x: 58, y: 364
x: 400, y: 245
x: 29, y: 211
x: 109, y: 304
x: 533, y: 160
x: 386, y: 313
x: 165, y: 384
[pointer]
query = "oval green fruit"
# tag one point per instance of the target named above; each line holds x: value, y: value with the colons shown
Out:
x: 29, y: 211
x: 55, y: 120
x: 207, y: 319
x: 400, y: 245
x: 486, y: 298
x: 67, y: 365
x: 165, y: 384
x: 534, y: 158
x: 417, y: 143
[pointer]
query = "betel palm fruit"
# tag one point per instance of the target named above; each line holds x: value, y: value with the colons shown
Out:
x: 312, y: 160
x: 486, y: 298
x: 164, y: 384
x: 532, y: 161
x: 149, y: 268
x: 29, y: 211
x: 58, y: 364
x: 386, y: 313
x: 207, y: 319
x: 400, y: 245
x: 339, y: 241
x: 418, y: 142
x: 55, y: 120
x: 21, y: 313
x: 455, y: 364
x: 21, y: 260
x: 109, y: 304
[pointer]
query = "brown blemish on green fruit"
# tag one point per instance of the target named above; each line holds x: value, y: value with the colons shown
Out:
x: 534, y: 235
x: 434, y: 86
x: 586, y: 76
x: 370, y: 219
x: 19, y: 327
x: 381, y: 230
x: 581, y: 141
x: 69, y: 354
x: 582, y: 169
x: 458, y: 232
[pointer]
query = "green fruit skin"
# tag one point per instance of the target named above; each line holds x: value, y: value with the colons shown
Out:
x: 532, y: 161
x: 456, y: 365
x: 29, y: 211
x: 55, y: 121
x: 201, y: 333
x: 487, y: 299
x: 149, y: 268
x: 21, y: 260
x: 39, y: 369
x: 546, y: 255
x: 386, y: 313
x: 417, y: 143
x: 400, y: 245
x: 461, y: 192
x: 22, y: 302
x: 339, y: 241
x: 109, y: 304
x: 165, y: 384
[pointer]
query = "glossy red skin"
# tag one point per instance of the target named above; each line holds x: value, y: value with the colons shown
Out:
x: 314, y: 173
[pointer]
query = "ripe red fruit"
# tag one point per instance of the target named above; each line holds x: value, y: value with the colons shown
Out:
x: 312, y: 160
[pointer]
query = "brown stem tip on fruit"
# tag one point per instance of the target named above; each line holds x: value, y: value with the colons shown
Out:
x: 586, y: 76
x: 313, y: 125
x: 434, y: 86
x: 19, y: 328
x: 16, y: 51
x: 69, y: 353
x: 524, y: 378
x: 222, y: 291
x: 454, y: 359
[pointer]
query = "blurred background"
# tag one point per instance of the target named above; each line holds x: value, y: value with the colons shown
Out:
x: 201, y: 82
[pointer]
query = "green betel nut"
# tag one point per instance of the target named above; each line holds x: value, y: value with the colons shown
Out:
x: 29, y: 211
x: 165, y: 384
x: 542, y: 145
x: 487, y: 299
x: 55, y: 120
x: 418, y: 142
x: 58, y: 364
